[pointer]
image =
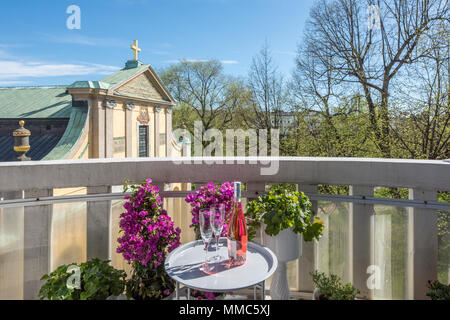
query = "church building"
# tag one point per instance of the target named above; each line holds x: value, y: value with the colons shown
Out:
x: 126, y: 114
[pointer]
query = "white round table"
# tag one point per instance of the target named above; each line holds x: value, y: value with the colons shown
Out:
x: 183, y: 266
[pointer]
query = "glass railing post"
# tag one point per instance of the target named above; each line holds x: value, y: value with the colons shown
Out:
x: 361, y: 241
x: 308, y: 261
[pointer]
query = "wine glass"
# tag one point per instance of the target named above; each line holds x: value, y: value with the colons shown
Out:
x: 217, y: 220
x: 206, y: 232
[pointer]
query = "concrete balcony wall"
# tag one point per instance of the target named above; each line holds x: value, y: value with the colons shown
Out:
x: 39, y: 231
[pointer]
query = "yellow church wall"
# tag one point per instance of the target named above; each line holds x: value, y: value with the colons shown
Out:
x: 152, y: 131
x: 134, y: 114
x: 162, y: 133
x: 134, y: 124
x: 119, y: 135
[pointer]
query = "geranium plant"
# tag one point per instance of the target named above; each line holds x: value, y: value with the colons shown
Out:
x: 331, y: 287
x: 149, y: 235
x: 438, y: 291
x: 282, y: 209
x: 97, y: 281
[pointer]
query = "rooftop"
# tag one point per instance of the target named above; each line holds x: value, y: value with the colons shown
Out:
x: 35, y: 102
x: 131, y: 69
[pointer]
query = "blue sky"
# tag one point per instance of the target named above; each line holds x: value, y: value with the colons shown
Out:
x: 36, y: 47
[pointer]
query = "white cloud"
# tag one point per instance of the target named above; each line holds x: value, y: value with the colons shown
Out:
x: 4, y: 54
x: 83, y: 40
x: 229, y: 62
x: 14, y: 70
x: 13, y: 83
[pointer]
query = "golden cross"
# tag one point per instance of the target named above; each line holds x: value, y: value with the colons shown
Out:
x: 135, y: 49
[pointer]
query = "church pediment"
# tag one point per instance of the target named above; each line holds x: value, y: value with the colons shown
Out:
x: 143, y: 86
x: 136, y: 80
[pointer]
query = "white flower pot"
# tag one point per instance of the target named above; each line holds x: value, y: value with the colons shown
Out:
x: 316, y: 294
x: 121, y: 297
x: 287, y: 246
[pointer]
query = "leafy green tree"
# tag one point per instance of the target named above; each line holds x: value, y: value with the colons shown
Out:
x: 204, y: 93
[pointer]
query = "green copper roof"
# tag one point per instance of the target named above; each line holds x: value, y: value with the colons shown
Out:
x: 90, y: 84
x: 72, y: 134
x: 35, y: 102
x: 129, y: 71
x: 55, y: 102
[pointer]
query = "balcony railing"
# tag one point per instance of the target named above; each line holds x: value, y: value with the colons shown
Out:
x: 388, y: 248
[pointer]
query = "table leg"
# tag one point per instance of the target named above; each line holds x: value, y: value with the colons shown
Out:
x: 188, y: 293
x: 254, y: 292
x: 263, y: 290
x: 177, y: 291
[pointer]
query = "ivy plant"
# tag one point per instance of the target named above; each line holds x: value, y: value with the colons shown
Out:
x: 92, y: 280
x: 282, y: 209
x: 331, y: 288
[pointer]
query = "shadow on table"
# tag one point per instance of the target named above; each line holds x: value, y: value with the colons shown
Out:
x: 192, y: 271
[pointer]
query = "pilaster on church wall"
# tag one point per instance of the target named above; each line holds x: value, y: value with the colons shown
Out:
x: 96, y: 128
x: 135, y: 130
x: 119, y: 132
x: 151, y: 111
x: 162, y: 132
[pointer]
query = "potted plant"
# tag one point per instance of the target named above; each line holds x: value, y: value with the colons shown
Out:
x: 286, y: 216
x: 331, y: 288
x: 206, y: 196
x: 438, y: 291
x: 92, y: 280
x: 148, y: 236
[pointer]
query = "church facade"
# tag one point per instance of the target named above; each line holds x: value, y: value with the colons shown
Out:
x: 126, y: 114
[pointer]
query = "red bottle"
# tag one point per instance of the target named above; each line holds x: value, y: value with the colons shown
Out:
x: 237, y: 231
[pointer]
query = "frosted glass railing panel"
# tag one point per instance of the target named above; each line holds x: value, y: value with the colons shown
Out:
x: 11, y: 253
x: 391, y: 251
x: 68, y: 234
x: 292, y: 274
x: 334, y: 246
x: 444, y: 247
x: 180, y: 212
x: 117, y: 260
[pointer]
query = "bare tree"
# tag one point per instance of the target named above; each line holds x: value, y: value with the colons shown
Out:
x: 316, y: 90
x: 423, y: 126
x: 370, y: 56
x: 267, y: 90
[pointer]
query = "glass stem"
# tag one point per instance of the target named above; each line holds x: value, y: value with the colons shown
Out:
x: 217, y: 244
x: 206, y: 253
